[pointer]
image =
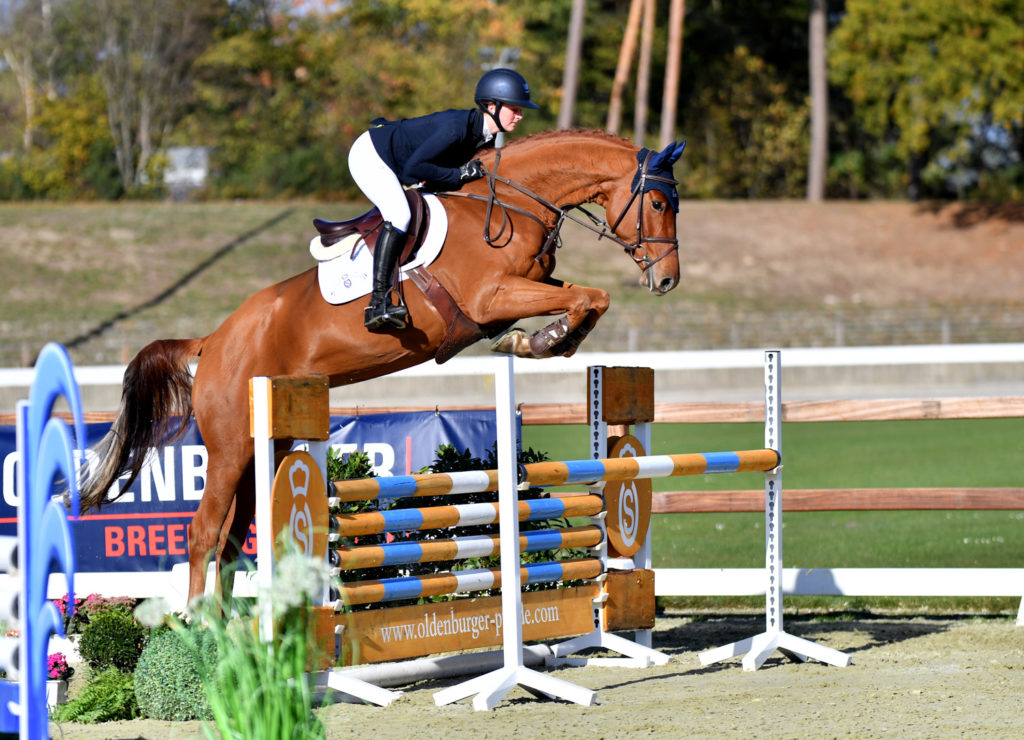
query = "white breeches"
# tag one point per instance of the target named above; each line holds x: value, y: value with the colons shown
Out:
x: 378, y: 182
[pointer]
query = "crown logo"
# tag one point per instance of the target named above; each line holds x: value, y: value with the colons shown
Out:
x: 298, y: 477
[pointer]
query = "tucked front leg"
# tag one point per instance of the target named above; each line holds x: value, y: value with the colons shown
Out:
x: 572, y: 341
x: 519, y: 298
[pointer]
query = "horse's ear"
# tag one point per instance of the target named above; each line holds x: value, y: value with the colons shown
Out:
x: 673, y: 152
x: 668, y: 156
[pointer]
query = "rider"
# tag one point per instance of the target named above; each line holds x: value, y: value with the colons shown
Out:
x: 434, y: 151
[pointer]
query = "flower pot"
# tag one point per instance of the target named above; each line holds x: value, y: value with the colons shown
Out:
x: 56, y: 692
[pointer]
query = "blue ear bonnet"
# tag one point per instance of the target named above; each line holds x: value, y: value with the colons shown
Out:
x: 660, y: 166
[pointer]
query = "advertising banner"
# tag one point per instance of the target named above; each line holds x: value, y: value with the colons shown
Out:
x: 147, y: 528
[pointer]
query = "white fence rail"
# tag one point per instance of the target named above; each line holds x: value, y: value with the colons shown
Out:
x: 729, y: 359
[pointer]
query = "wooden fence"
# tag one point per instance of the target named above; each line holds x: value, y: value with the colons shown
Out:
x: 839, y: 499
x: 819, y: 581
x: 826, y: 581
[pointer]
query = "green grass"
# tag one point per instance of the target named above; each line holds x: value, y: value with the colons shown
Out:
x: 105, y: 258
x: 142, y: 270
x: 974, y: 453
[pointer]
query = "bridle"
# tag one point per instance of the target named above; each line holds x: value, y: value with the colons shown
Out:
x: 640, y: 187
x: 591, y: 222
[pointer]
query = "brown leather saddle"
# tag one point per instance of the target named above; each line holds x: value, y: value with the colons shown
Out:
x: 368, y: 226
x: 462, y: 331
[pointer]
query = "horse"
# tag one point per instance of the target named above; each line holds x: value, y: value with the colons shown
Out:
x: 496, y: 265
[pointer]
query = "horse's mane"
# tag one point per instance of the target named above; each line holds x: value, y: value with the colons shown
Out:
x: 569, y: 134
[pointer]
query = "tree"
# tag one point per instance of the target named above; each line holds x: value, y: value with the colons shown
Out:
x: 573, y: 48
x: 750, y: 134
x: 643, y: 73
x: 30, y: 49
x: 144, y: 54
x: 283, y: 95
x: 937, y: 79
x: 817, y: 163
x: 673, y: 62
x: 626, y: 52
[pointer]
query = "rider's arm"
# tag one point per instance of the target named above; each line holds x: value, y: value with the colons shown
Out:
x: 422, y: 166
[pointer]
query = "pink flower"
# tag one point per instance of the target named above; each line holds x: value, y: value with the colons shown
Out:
x: 57, y: 667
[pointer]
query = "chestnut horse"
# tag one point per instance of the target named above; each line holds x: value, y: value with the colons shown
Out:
x: 289, y: 329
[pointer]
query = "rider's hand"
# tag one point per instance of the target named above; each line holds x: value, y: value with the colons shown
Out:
x: 472, y: 170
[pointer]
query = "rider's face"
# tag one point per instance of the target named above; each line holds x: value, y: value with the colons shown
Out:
x: 509, y: 115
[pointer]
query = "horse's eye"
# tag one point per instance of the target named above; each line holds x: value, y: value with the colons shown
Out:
x: 657, y: 205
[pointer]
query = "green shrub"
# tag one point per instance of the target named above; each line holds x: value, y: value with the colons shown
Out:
x: 108, y: 696
x: 346, y: 467
x: 112, y: 638
x: 89, y: 607
x: 168, y: 681
x: 260, y: 690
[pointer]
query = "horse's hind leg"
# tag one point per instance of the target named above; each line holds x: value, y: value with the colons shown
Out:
x: 235, y: 534
x: 223, y: 478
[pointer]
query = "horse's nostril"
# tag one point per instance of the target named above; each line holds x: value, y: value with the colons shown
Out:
x: 667, y: 284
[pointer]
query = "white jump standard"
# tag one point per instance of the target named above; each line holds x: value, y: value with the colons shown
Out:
x: 758, y: 648
x: 491, y: 687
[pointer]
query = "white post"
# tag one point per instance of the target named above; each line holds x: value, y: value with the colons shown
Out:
x: 595, y: 415
x: 773, y: 494
x: 263, y: 443
x: 758, y: 648
x: 491, y: 687
x: 508, y: 514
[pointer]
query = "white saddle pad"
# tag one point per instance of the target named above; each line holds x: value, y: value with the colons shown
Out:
x: 347, y: 272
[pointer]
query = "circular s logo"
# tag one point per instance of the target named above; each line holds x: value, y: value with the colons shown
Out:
x: 629, y: 504
x: 299, y: 505
x: 628, y: 519
x: 300, y: 523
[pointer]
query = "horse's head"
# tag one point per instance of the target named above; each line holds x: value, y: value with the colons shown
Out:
x: 650, y: 196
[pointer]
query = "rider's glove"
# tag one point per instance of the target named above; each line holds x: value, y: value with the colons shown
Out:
x: 472, y: 170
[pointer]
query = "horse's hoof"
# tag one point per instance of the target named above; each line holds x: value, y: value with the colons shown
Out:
x: 514, y: 342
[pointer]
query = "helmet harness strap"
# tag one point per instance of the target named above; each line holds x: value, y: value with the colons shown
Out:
x: 496, y: 116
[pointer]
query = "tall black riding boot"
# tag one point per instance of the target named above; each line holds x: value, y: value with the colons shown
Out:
x: 381, y: 310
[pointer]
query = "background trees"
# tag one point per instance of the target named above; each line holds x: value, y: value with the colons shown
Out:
x: 938, y: 86
x: 925, y: 96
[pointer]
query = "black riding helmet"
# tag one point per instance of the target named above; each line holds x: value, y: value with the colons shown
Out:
x: 502, y: 87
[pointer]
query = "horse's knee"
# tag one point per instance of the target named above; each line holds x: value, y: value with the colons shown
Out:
x: 201, y: 544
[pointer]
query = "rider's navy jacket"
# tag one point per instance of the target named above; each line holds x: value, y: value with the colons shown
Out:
x: 430, y: 148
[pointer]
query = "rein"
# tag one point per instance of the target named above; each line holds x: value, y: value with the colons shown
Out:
x: 592, y: 223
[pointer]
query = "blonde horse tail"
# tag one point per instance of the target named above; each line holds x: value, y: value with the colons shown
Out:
x: 157, y: 387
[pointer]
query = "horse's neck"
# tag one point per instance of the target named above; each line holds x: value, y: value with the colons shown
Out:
x: 570, y: 170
